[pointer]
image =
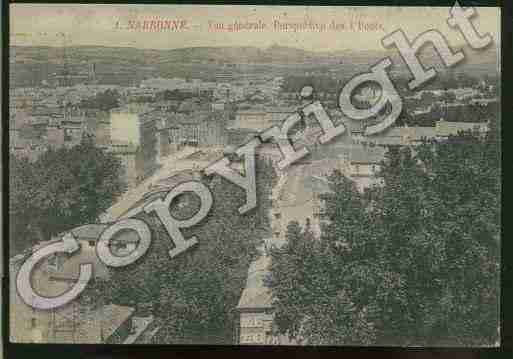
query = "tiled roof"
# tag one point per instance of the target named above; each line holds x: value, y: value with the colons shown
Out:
x: 417, y: 133
x: 167, y: 184
x: 398, y: 135
x: 161, y: 187
x: 89, y: 231
x: 140, y: 325
x: 372, y: 155
x: 103, y: 322
x: 446, y: 128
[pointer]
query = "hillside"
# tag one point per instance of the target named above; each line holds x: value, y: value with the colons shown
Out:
x: 239, y: 54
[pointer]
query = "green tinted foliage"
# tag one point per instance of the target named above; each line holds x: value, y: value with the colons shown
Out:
x: 195, y: 294
x: 415, y: 262
x: 64, y: 188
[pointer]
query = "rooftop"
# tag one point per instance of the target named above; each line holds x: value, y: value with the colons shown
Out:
x: 446, y: 128
x: 140, y: 326
x: 103, y: 322
x: 367, y: 155
x: 89, y: 231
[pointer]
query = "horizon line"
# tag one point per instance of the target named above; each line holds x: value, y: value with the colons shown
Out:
x: 463, y: 44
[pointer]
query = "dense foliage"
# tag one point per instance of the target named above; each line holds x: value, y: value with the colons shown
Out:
x: 62, y: 189
x: 194, y: 295
x: 414, y: 262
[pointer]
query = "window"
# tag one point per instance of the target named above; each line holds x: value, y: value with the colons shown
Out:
x: 33, y: 322
x: 91, y: 243
x: 277, y: 215
x: 277, y: 234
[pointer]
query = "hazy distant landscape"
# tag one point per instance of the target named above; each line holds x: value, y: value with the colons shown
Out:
x: 33, y: 63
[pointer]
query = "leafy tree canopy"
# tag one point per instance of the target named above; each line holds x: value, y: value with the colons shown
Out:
x: 194, y: 295
x: 64, y: 188
x: 414, y: 262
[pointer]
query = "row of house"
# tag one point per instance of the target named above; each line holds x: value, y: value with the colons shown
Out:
x: 33, y: 132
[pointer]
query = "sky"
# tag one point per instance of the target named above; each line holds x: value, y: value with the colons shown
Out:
x: 107, y: 25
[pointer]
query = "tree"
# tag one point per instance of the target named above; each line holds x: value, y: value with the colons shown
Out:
x: 194, y: 294
x: 415, y: 262
x: 312, y: 303
x: 64, y: 188
x: 22, y: 185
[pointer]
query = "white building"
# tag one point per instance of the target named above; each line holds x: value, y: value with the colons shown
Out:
x: 125, y: 127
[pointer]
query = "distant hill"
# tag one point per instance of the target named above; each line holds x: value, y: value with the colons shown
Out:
x: 278, y: 54
x: 485, y: 60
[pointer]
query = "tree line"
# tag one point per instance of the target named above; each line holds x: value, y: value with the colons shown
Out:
x: 412, y: 262
x: 62, y: 189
